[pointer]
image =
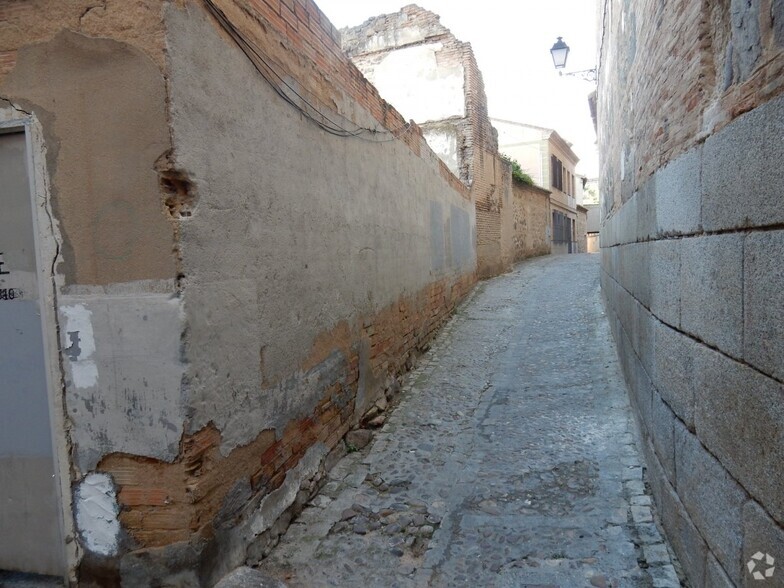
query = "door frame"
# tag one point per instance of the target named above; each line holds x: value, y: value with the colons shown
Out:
x: 47, y: 252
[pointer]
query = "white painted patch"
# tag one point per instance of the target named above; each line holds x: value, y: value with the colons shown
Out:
x: 96, y: 514
x: 420, y: 88
x: 84, y: 372
x: 444, y: 144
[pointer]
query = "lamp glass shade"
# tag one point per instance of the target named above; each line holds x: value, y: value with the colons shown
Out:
x: 559, y: 51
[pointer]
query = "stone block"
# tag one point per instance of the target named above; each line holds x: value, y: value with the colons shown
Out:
x: 715, y: 576
x: 742, y: 173
x: 639, y: 275
x: 625, y: 352
x: 739, y: 417
x: 763, y: 302
x: 624, y: 265
x: 656, y: 553
x: 642, y: 514
x: 761, y: 534
x: 360, y: 438
x: 664, y: 576
x: 613, y: 233
x: 684, y: 537
x: 615, y: 262
x: 645, y: 344
x: 625, y: 311
x: 673, y: 373
x: 646, y: 211
x: 677, y: 188
x: 628, y: 221
x: 712, y: 498
x: 664, y: 259
x: 641, y: 389
x: 746, y: 38
x: 604, y: 254
x: 663, y: 434
x: 654, y: 476
x: 712, y: 290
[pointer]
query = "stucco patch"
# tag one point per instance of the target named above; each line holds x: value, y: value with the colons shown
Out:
x: 96, y: 514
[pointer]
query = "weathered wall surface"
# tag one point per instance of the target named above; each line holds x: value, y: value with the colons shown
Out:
x: 692, y: 243
x: 531, y: 221
x: 423, y: 69
x: 236, y: 286
x: 90, y: 78
x: 313, y: 270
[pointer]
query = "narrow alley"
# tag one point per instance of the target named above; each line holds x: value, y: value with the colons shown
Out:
x: 511, y: 460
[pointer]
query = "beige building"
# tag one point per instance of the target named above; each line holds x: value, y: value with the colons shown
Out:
x: 550, y: 162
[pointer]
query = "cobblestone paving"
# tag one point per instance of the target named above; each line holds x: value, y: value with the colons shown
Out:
x: 511, y: 461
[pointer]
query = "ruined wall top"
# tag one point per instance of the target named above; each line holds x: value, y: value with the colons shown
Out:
x: 410, y: 26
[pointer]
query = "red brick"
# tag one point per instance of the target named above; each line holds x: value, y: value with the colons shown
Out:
x: 289, y: 16
x: 302, y: 13
x: 271, y: 15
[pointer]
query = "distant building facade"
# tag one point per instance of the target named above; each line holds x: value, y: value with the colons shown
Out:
x: 593, y: 227
x: 550, y: 162
x: 582, y: 226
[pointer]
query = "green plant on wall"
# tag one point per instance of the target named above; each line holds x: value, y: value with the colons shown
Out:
x: 518, y: 174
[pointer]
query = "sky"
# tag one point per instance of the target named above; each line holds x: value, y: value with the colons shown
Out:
x: 511, y: 40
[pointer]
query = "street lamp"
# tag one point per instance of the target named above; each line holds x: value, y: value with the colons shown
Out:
x: 560, y: 51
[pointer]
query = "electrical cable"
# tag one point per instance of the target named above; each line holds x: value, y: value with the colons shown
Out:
x: 266, y: 70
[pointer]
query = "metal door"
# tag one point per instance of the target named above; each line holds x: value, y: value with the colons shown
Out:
x: 30, y: 521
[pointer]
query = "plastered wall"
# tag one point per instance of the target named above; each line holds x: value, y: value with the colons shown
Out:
x: 690, y: 121
x: 410, y: 55
x: 235, y: 287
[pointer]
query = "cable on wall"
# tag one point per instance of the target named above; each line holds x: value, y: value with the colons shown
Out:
x: 276, y: 81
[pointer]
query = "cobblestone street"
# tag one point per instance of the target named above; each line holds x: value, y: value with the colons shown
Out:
x: 511, y: 460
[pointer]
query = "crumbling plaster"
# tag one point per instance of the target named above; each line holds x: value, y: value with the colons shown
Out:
x: 307, y: 233
x: 192, y: 298
x: 102, y: 105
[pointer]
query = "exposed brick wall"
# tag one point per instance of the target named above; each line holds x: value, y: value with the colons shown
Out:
x: 209, y: 484
x: 672, y: 82
x: 323, y: 70
x: 190, y: 501
x: 532, y: 221
x: 163, y: 503
x: 690, y: 118
x: 490, y: 190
